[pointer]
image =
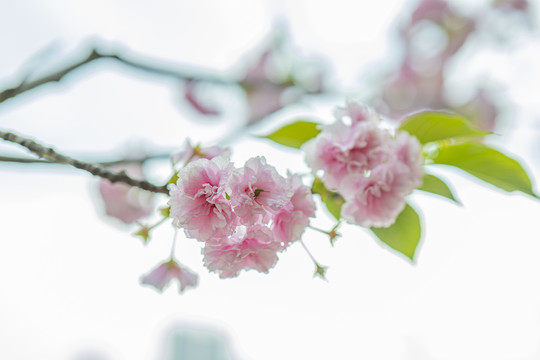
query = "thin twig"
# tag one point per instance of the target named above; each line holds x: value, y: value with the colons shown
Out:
x: 51, y: 155
x: 57, y: 76
x: 141, y: 160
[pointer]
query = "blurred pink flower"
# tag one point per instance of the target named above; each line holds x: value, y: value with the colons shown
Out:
x: 290, y: 222
x: 191, y: 153
x: 250, y: 247
x: 258, y: 191
x: 199, y: 200
x: 480, y: 110
x: 190, y: 95
x: 124, y: 202
x: 163, y: 274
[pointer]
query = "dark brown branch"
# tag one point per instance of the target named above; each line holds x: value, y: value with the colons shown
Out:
x: 51, y: 155
x: 96, y: 55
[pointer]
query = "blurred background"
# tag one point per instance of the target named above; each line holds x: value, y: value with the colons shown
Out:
x: 219, y: 72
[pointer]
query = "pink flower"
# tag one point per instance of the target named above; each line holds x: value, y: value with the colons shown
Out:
x: 356, y: 112
x: 124, y: 202
x: 290, y: 222
x: 251, y: 247
x: 199, y: 200
x: 258, y: 191
x: 409, y: 152
x: 341, y: 150
x: 192, y: 153
x: 161, y: 276
x: 190, y: 94
x: 376, y: 198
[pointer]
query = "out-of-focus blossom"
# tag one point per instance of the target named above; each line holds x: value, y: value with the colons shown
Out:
x: 512, y: 5
x: 161, y: 276
x: 291, y: 221
x: 409, y: 91
x: 124, y: 202
x: 252, y: 247
x: 191, y: 97
x: 480, y: 110
x: 432, y: 39
x: 258, y: 191
x: 199, y: 202
x: 191, y: 153
x: 273, y: 80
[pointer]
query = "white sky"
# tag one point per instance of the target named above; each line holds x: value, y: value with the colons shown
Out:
x: 70, y: 281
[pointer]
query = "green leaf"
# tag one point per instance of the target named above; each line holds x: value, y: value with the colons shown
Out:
x: 295, y: 134
x: 486, y: 164
x: 404, y: 234
x: 433, y: 126
x: 331, y: 199
x: 435, y: 185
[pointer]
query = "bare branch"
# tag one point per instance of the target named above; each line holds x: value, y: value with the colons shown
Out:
x: 51, y: 155
x: 139, y: 160
x: 190, y: 74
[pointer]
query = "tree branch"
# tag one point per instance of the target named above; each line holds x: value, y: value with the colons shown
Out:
x: 139, y: 160
x: 96, y: 55
x: 51, y: 155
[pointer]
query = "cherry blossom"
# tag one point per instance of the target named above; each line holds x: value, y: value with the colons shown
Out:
x: 290, y: 222
x: 161, y: 276
x: 124, y: 202
x: 252, y: 247
x: 199, y: 202
x: 258, y: 191
x: 191, y: 153
x: 341, y: 150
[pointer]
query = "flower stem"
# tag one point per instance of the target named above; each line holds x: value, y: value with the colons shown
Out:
x: 173, y: 247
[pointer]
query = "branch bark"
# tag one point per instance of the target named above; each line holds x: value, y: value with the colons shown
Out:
x: 50, y: 155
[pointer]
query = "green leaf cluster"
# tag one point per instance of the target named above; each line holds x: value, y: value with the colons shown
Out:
x: 450, y: 139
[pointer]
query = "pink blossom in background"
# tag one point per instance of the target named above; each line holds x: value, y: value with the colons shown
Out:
x: 252, y: 247
x: 264, y: 99
x: 481, y: 110
x: 199, y: 201
x: 192, y: 153
x: 124, y: 202
x: 291, y: 221
x: 258, y: 191
x: 190, y: 95
x: 341, y: 150
x: 162, y: 275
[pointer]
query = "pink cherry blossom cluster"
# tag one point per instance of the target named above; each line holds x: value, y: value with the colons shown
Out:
x: 244, y: 216
x: 371, y: 168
